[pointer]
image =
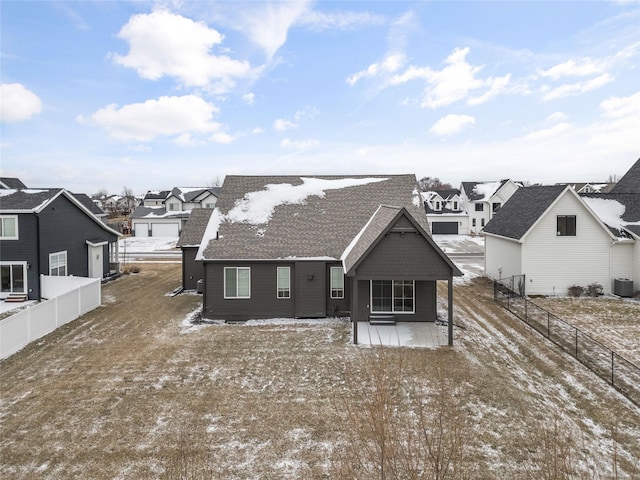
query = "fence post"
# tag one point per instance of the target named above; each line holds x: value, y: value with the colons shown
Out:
x: 576, y: 342
x: 548, y: 325
x: 526, y: 315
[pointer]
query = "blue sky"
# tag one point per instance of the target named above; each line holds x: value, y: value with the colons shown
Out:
x: 150, y: 95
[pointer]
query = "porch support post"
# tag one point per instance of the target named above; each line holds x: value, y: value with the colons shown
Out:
x: 354, y: 308
x: 450, y: 311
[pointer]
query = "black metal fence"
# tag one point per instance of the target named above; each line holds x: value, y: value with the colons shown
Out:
x: 621, y: 373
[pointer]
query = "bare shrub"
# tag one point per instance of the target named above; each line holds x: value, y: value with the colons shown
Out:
x: 406, y: 428
x: 575, y: 291
x: 595, y: 289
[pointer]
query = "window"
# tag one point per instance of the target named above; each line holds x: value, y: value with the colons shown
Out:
x: 9, y: 228
x: 392, y: 296
x: 13, y: 277
x: 337, y: 282
x: 284, y: 282
x: 496, y: 206
x: 437, y: 205
x: 237, y: 282
x: 173, y: 207
x: 209, y: 205
x: 479, y: 207
x: 482, y: 222
x: 473, y: 222
x: 566, y: 226
x: 58, y: 264
x: 455, y: 205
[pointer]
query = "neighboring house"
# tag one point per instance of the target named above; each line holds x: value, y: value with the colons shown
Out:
x: 557, y: 238
x: 189, y: 242
x: 630, y: 182
x: 50, y: 232
x: 590, y: 187
x: 288, y: 246
x: 91, y: 205
x: 481, y: 200
x: 467, y: 210
x: 445, y: 212
x: 164, y: 213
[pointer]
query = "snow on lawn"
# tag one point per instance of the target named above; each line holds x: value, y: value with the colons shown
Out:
x: 146, y: 244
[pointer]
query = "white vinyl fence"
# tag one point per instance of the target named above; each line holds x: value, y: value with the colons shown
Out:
x: 68, y: 298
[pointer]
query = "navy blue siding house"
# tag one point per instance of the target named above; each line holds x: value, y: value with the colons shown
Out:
x: 50, y: 232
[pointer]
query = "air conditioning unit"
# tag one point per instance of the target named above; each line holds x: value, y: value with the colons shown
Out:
x: 623, y: 287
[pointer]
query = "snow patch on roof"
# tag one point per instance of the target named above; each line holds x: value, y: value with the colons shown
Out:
x: 11, y: 191
x: 609, y: 211
x: 256, y: 208
x: 487, y: 190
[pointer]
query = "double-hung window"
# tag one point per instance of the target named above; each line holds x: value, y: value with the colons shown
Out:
x: 9, y: 227
x: 395, y: 296
x: 284, y: 282
x: 58, y: 264
x: 479, y: 207
x: 566, y: 226
x: 337, y: 282
x: 237, y: 282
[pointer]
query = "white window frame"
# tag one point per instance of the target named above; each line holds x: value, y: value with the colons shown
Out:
x: 237, y: 296
x: 339, y: 290
x: 393, y: 298
x: 63, y: 255
x: 283, y: 292
x: 15, y: 225
x: 24, y: 266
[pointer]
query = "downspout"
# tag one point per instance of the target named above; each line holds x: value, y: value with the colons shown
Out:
x: 37, y: 266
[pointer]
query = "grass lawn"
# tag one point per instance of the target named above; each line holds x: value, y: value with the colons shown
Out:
x: 133, y: 390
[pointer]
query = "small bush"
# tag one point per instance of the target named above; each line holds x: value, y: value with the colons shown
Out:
x: 575, y: 291
x: 595, y: 289
x: 135, y: 269
x: 127, y: 269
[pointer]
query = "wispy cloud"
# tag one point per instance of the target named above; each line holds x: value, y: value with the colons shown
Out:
x: 281, y: 125
x: 578, y: 88
x: 298, y: 144
x: 451, y: 124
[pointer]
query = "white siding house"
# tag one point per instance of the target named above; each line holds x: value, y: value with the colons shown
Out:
x: 558, y: 239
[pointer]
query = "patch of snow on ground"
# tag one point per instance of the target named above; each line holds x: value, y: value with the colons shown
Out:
x: 146, y: 244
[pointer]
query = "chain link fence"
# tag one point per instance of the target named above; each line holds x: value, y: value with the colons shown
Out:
x: 621, y: 373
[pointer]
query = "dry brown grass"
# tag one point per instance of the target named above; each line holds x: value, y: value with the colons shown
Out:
x: 128, y: 391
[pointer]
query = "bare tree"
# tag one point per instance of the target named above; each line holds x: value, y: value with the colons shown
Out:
x: 613, y: 178
x: 216, y: 182
x: 101, y: 193
x: 432, y: 183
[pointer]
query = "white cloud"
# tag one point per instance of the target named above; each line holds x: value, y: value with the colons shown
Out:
x: 390, y: 64
x: 166, y: 116
x: 306, y: 112
x: 257, y: 131
x: 571, y: 68
x: 340, y: 20
x: 298, y: 144
x: 579, y: 87
x: 281, y: 125
x: 222, y: 137
x: 17, y: 103
x: 451, y: 124
x: 249, y: 98
x: 162, y: 43
x: 622, y: 106
x: 557, y: 117
x: 548, y: 132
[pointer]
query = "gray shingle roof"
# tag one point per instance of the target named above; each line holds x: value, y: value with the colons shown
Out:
x: 25, y: 200
x: 631, y: 202
x: 157, y: 212
x: 321, y: 226
x: 522, y: 210
x: 195, y: 227
x: 84, y: 199
x: 11, y: 182
x: 630, y: 182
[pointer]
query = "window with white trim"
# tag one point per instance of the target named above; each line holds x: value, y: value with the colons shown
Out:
x: 58, y: 264
x: 566, y: 226
x: 237, y: 282
x: 13, y: 277
x: 395, y: 296
x: 284, y: 282
x: 9, y: 227
x: 337, y: 282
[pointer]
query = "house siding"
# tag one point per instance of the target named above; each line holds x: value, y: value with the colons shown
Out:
x: 192, y: 271
x: 502, y: 254
x: 621, y: 267
x: 636, y: 266
x: 552, y: 263
x: 405, y: 256
x: 25, y: 250
x: 64, y: 227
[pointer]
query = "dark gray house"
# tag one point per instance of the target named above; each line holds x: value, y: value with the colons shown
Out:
x: 189, y: 243
x: 50, y: 232
x: 289, y: 246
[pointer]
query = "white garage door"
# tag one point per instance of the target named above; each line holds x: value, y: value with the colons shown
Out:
x: 165, y: 230
x: 141, y: 229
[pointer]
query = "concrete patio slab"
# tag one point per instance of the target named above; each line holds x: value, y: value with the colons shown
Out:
x: 403, y: 334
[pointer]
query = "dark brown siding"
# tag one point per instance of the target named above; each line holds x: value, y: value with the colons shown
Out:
x: 192, y: 271
x: 311, y: 289
x: 403, y: 256
x: 263, y: 302
x: 425, y: 302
